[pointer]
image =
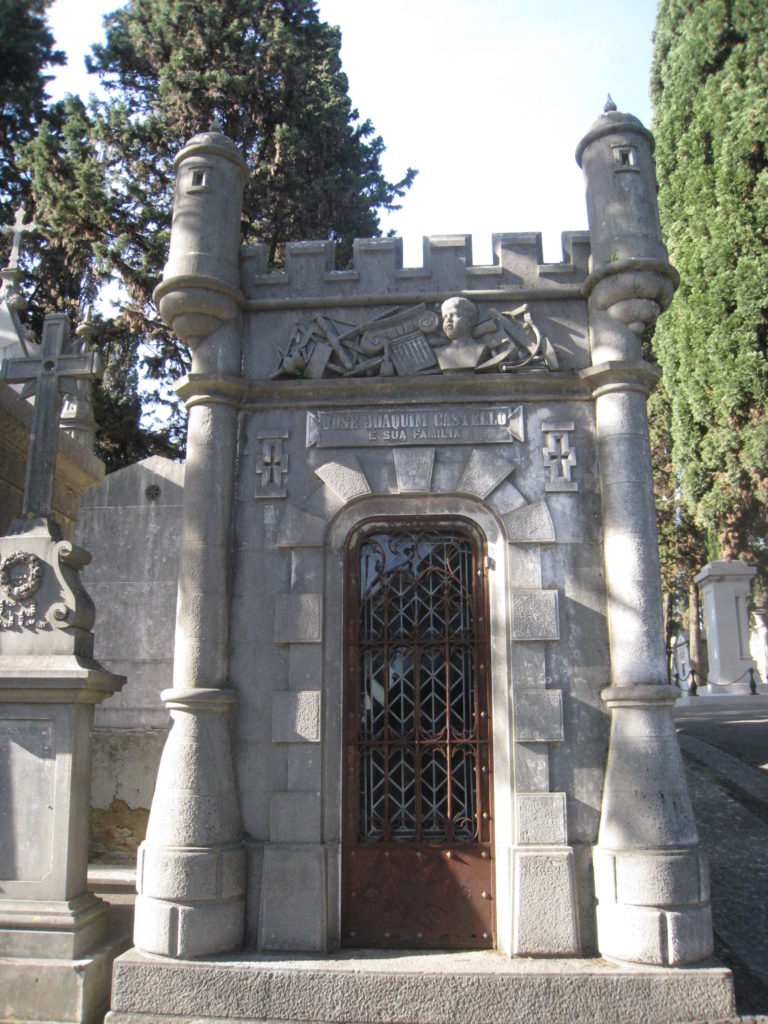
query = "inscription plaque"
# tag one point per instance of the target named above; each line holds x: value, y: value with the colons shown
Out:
x: 456, y: 424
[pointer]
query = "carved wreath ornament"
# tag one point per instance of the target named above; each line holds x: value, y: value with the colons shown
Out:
x: 20, y: 587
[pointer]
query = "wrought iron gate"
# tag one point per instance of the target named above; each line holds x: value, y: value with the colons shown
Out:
x: 417, y: 839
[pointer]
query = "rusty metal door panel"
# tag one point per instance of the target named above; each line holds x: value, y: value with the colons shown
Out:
x: 417, y: 839
x: 418, y: 897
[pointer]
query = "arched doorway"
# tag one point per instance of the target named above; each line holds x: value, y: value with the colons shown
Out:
x: 417, y: 842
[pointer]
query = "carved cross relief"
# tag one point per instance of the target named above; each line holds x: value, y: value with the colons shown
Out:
x: 559, y: 456
x: 274, y: 465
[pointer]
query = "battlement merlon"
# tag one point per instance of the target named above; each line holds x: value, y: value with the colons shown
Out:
x: 377, y: 269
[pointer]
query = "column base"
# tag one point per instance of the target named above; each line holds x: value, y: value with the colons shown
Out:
x: 653, y: 906
x: 652, y: 935
x: 191, y: 868
x: 55, y: 991
x: 651, y: 881
x: 65, y: 929
x: 188, y: 930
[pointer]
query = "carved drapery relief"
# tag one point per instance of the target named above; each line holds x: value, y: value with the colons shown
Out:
x: 417, y: 340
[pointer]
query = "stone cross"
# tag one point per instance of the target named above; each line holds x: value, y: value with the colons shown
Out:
x: 48, y: 378
x: 17, y: 229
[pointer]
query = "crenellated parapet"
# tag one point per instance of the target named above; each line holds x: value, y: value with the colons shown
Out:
x: 447, y: 268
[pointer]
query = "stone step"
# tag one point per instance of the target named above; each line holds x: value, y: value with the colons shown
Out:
x: 421, y: 988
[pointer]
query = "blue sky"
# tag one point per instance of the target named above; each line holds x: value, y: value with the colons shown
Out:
x: 487, y: 98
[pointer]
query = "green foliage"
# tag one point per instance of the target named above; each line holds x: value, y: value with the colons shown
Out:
x: 710, y: 94
x: 26, y: 50
x: 66, y: 267
x: 269, y: 72
x: 681, y: 543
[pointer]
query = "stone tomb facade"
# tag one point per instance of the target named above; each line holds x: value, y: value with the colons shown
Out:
x: 420, y: 696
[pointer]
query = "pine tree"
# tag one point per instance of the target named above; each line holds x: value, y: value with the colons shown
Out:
x: 26, y: 51
x: 269, y: 72
x: 101, y: 177
x: 66, y: 269
x: 710, y: 94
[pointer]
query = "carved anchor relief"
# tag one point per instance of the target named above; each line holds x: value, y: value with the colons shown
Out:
x: 417, y: 341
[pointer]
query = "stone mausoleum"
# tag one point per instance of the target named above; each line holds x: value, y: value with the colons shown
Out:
x: 422, y: 765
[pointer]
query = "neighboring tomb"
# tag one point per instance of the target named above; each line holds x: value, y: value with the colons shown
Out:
x: 131, y: 524
x: 418, y: 563
x: 725, y: 590
x: 54, y: 935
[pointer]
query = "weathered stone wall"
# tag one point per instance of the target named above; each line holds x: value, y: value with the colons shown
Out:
x: 131, y: 524
x: 316, y: 456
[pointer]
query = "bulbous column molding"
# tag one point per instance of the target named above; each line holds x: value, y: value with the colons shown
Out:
x: 651, y: 880
x: 191, y: 866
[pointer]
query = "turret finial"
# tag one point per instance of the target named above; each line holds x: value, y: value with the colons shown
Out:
x: 217, y: 125
x: 610, y: 106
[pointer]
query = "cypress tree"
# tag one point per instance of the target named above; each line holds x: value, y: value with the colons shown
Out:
x: 710, y: 95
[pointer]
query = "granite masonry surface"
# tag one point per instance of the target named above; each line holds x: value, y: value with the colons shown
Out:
x: 345, y: 428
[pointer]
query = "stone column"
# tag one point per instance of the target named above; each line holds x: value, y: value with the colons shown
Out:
x: 650, y: 878
x: 725, y: 595
x: 191, y: 867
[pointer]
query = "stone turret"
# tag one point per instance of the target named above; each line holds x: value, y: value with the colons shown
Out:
x: 650, y: 876
x: 194, y: 828
x: 200, y: 289
x: 631, y: 278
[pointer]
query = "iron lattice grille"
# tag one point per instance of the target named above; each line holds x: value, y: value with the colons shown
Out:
x: 422, y: 732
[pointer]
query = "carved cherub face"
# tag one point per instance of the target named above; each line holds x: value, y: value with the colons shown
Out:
x: 459, y: 317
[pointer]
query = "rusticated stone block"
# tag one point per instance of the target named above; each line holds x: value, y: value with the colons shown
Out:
x: 293, y: 910
x: 347, y: 481
x: 538, y: 716
x: 541, y: 819
x: 483, y: 472
x: 530, y: 525
x: 299, y: 529
x: 546, y: 918
x: 414, y: 468
x: 535, y: 615
x: 296, y: 717
x: 298, y: 618
x: 295, y: 818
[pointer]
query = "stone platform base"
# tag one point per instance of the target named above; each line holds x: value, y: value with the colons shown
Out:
x: 62, y: 991
x: 418, y: 988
